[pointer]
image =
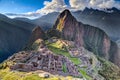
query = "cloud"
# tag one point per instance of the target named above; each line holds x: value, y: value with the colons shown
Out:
x: 101, y: 4
x: 95, y: 4
x: 78, y: 4
x: 31, y: 15
x: 74, y: 5
x: 53, y: 6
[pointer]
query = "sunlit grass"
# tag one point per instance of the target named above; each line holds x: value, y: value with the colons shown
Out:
x: 59, y: 51
x: 84, y: 74
x: 7, y: 74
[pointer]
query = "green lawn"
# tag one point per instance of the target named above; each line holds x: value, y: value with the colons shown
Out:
x: 84, y: 74
x: 7, y: 74
x: 59, y: 51
x: 64, y: 68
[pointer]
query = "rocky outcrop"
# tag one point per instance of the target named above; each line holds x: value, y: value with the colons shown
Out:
x: 37, y: 34
x: 92, y: 38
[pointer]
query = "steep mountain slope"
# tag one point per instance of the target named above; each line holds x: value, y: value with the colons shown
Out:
x: 13, y: 35
x: 105, y: 20
x: 92, y: 38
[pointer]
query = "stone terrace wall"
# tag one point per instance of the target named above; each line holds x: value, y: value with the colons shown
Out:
x: 47, y: 61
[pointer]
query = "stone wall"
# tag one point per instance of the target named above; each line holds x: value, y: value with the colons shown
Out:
x: 44, y: 60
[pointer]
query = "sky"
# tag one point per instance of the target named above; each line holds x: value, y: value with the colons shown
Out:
x: 37, y: 8
x: 20, y: 6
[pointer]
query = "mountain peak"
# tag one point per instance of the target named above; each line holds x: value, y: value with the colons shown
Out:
x: 90, y: 37
x: 37, y: 33
x: 37, y: 29
x: 66, y: 12
x: 64, y: 18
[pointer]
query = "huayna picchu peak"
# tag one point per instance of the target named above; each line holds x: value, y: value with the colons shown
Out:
x: 90, y: 37
x: 70, y: 50
x: 65, y: 12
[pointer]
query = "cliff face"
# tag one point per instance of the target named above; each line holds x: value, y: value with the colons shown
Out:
x: 115, y: 53
x: 106, y: 20
x: 90, y: 37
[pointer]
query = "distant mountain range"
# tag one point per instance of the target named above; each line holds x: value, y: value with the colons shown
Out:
x: 107, y: 20
x: 46, y: 22
x: 13, y: 35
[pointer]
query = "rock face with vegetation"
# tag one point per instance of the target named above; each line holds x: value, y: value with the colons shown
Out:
x: 92, y: 38
x: 37, y: 33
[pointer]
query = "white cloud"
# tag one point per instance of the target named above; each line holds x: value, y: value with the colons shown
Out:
x: 30, y: 15
x: 78, y: 4
x: 101, y: 4
x: 95, y: 4
x: 109, y: 4
x: 53, y: 6
x: 59, y: 5
x: 74, y: 5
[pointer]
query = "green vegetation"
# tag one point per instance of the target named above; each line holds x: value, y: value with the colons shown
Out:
x: 12, y: 76
x: 57, y: 44
x: 60, y: 25
x: 84, y: 74
x: 64, y: 68
x: 109, y: 70
x: 32, y: 77
x: 3, y: 72
x: 7, y: 74
x: 59, y: 51
x: 6, y: 64
x: 36, y: 44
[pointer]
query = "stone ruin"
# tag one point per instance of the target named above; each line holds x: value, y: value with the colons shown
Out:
x: 44, y: 60
x: 76, y: 52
